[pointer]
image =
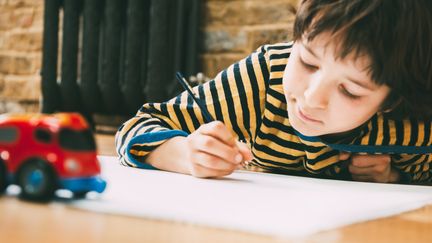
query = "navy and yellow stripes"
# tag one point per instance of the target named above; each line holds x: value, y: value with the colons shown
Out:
x: 248, y: 97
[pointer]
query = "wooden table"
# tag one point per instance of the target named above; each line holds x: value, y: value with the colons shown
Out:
x: 31, y: 222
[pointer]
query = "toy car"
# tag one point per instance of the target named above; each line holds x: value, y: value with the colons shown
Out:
x: 42, y: 153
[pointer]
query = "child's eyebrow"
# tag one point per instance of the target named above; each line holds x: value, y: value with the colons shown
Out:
x: 366, y: 85
x: 310, y: 50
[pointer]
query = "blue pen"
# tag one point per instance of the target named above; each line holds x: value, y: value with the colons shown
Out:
x: 207, y: 117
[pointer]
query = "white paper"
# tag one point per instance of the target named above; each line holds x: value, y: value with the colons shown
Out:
x: 261, y: 203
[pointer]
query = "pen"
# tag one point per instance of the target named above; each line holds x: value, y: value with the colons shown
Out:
x: 207, y: 117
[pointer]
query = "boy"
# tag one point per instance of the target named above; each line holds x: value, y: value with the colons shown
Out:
x: 348, y: 99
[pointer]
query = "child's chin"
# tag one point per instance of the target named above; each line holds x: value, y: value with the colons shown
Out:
x: 311, y: 134
x: 306, y: 131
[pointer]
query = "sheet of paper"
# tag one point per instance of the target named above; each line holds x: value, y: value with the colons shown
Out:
x: 252, y: 202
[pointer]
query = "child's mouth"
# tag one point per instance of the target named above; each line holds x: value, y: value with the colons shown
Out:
x: 305, y: 117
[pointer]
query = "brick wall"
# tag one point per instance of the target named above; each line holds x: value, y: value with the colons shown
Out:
x: 231, y: 30
x: 20, y: 54
x: 234, y: 28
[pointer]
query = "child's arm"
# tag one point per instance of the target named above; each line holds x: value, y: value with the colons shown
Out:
x: 233, y: 97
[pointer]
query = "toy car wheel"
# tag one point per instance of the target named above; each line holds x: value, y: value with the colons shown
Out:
x: 81, y: 194
x: 3, y: 182
x: 37, y: 181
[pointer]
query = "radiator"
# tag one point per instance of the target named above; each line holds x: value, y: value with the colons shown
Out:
x: 116, y: 55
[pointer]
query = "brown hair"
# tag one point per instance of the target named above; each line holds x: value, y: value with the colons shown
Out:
x: 395, y: 34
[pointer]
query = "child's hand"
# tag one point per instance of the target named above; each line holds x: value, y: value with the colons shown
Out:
x: 213, y: 152
x: 372, y: 168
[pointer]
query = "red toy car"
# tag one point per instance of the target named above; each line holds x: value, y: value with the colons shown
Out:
x: 42, y: 153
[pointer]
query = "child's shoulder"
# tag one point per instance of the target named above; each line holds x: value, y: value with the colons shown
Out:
x: 275, y: 54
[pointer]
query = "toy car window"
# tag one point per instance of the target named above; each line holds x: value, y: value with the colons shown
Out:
x: 43, y: 136
x: 77, y: 140
x: 8, y: 134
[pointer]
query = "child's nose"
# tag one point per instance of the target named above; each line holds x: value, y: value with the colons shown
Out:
x: 316, y: 95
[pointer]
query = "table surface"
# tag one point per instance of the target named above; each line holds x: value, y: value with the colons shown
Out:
x: 55, y: 222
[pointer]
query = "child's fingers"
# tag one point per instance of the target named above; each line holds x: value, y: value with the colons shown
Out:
x: 218, y: 130
x: 371, y: 170
x: 370, y: 160
x: 215, y: 147
x: 213, y: 162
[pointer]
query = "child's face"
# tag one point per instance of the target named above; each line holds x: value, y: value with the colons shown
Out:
x: 326, y: 95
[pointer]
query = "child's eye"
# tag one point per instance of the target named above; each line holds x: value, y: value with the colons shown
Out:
x: 347, y: 93
x: 308, y: 66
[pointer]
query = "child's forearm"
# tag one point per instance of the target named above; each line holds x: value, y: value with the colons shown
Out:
x: 170, y: 156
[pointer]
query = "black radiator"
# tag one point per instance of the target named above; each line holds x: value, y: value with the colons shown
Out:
x: 116, y: 54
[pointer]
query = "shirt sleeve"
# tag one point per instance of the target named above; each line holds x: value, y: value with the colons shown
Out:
x: 236, y: 97
x: 415, y: 169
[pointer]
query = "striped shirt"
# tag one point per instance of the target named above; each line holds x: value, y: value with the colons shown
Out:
x: 248, y: 98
